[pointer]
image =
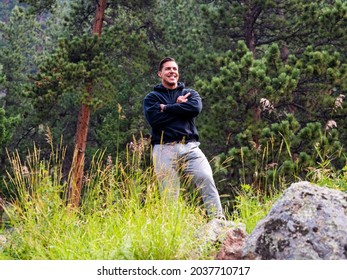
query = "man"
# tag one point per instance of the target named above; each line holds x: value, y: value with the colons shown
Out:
x: 170, y: 109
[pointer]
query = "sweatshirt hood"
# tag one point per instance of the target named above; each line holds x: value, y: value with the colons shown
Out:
x: 161, y: 88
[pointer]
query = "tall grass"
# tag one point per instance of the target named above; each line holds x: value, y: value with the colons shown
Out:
x: 121, y: 215
x: 253, y: 201
x: 250, y: 206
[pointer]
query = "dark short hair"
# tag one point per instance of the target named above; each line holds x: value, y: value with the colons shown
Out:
x: 164, y: 60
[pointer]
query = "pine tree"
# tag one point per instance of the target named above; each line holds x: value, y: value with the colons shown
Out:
x: 86, y: 67
x: 279, y: 85
x: 7, y: 124
x: 77, y: 71
x: 18, y: 43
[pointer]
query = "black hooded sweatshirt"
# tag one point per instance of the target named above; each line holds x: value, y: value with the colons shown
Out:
x: 177, y: 122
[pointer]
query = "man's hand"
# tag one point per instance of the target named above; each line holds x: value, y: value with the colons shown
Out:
x: 180, y: 99
x: 162, y: 107
x: 183, y: 98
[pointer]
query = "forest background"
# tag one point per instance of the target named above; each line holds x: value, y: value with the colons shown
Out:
x: 272, y: 76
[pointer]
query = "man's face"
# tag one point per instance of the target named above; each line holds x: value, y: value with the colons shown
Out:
x: 169, y: 74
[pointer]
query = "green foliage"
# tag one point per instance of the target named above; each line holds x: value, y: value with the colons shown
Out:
x: 7, y: 126
x: 75, y: 64
x: 120, y: 207
x: 134, y: 5
x: 325, y: 176
x: 113, y: 65
x: 251, y: 207
x: 182, y: 34
x: 17, y: 56
x: 249, y: 113
x: 293, y: 24
x: 116, y: 220
x: 2, y: 76
x: 39, y: 6
x: 19, y: 43
x: 79, y: 19
x: 242, y: 83
x: 76, y: 72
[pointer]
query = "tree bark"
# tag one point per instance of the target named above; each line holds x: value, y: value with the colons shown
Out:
x: 250, y: 19
x: 77, y: 169
x: 284, y: 49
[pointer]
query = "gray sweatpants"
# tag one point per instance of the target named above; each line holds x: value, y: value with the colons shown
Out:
x: 172, y: 159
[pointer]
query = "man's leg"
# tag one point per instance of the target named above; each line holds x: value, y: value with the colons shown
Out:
x: 200, y: 172
x: 165, y: 167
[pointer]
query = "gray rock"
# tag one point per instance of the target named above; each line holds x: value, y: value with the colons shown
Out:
x: 307, y: 222
x: 232, y: 246
x: 216, y: 230
x: 224, y: 236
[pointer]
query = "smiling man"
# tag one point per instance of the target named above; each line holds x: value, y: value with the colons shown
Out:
x: 170, y: 109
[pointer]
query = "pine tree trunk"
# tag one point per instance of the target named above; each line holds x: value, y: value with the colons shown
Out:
x: 251, y: 16
x: 77, y: 169
x: 284, y: 49
x: 250, y: 19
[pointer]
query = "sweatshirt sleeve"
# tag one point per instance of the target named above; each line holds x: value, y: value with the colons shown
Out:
x: 153, y: 115
x: 189, y: 109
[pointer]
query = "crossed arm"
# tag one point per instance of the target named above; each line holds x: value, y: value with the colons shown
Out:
x: 180, y: 99
x: 159, y: 114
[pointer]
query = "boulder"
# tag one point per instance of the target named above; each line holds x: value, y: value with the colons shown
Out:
x: 227, y: 236
x: 307, y: 222
x: 232, y: 246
